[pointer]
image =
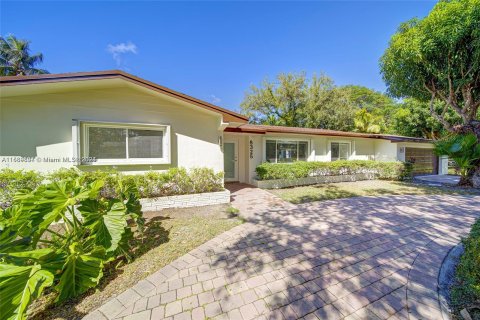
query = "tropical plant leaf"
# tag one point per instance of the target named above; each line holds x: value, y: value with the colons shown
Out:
x: 81, y: 272
x: 19, y: 286
x: 106, y: 219
x: 32, y: 254
x: 15, y: 229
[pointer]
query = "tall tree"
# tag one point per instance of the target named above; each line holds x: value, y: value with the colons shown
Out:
x: 438, y: 59
x: 327, y: 107
x: 15, y: 58
x: 412, y: 118
x: 277, y: 103
x: 371, y: 100
x: 295, y: 100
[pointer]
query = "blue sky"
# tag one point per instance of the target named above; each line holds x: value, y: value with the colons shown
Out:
x: 212, y: 50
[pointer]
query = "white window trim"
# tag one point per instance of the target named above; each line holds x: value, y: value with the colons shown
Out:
x: 350, y: 152
x: 284, y: 139
x: 84, y: 125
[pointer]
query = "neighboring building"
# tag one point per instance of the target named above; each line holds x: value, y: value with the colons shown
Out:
x: 102, y: 119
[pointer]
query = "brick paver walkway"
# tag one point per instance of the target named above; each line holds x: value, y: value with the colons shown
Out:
x: 357, y: 258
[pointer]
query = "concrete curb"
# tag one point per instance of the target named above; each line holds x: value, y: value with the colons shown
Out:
x: 446, y: 275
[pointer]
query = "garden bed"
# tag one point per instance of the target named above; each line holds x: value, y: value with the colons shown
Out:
x: 175, y: 187
x: 65, y: 234
x: 168, y: 235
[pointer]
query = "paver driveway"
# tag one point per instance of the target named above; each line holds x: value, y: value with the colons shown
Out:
x: 357, y: 258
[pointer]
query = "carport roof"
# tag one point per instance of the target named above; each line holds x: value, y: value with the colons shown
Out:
x: 263, y: 129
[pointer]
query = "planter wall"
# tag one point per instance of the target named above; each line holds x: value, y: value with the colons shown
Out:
x: 285, y: 183
x: 185, y: 201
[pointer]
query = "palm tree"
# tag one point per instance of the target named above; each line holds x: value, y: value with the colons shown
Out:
x: 15, y: 58
x: 367, y: 122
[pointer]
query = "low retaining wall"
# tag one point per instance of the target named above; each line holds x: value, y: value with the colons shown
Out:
x: 185, y: 200
x: 285, y: 183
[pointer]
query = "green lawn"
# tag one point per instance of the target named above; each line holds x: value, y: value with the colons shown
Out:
x: 340, y: 190
x: 168, y: 235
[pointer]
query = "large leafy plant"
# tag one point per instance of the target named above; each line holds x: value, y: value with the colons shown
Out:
x: 464, y: 150
x: 62, y: 234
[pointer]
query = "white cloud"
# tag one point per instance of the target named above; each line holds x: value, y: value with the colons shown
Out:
x: 215, y: 99
x: 118, y: 50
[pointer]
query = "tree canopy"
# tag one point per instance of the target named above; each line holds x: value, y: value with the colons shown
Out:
x: 438, y: 59
x: 316, y: 102
x: 412, y: 118
x: 15, y: 58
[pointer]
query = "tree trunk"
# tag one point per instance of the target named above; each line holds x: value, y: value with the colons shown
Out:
x: 473, y: 126
x: 476, y: 178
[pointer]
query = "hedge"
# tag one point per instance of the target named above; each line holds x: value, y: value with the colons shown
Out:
x: 13, y: 181
x: 465, y: 292
x: 303, y: 169
x: 175, y: 181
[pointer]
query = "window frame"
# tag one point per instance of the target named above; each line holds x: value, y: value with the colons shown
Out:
x: 84, y: 139
x: 340, y: 141
x: 285, y: 139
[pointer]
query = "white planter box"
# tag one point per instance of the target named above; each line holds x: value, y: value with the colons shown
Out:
x: 285, y: 183
x: 185, y: 200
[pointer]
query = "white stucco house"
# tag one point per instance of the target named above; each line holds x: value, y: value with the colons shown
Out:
x: 94, y: 120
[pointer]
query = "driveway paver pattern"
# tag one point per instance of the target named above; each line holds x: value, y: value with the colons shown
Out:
x: 356, y: 258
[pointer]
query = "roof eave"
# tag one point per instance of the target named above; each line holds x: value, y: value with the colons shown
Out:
x: 111, y: 74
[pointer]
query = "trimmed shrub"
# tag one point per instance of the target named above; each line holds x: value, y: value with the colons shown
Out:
x: 175, y: 181
x: 303, y: 169
x: 13, y: 181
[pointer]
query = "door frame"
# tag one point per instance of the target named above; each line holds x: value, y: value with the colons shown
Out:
x: 235, y: 159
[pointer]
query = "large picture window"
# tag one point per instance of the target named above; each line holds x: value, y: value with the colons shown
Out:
x: 285, y: 151
x: 125, y: 143
x: 339, y: 150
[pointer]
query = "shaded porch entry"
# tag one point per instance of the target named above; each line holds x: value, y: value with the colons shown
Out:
x: 230, y: 160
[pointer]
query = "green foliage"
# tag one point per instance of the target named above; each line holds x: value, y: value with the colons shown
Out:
x: 279, y: 103
x: 294, y: 100
x: 412, y: 118
x: 365, y: 98
x: 13, y: 181
x: 327, y: 107
x: 438, y: 57
x: 15, y: 58
x: 304, y: 169
x: 178, y: 181
x: 62, y: 233
x: 19, y: 286
x: 175, y: 181
x: 466, y: 291
x: 367, y: 122
x: 463, y: 149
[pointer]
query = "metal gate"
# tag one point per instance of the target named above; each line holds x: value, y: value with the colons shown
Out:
x: 424, y: 160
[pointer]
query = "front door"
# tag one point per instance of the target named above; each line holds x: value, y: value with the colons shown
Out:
x: 230, y: 163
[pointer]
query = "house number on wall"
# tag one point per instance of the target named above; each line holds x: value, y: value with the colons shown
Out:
x: 251, y: 149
